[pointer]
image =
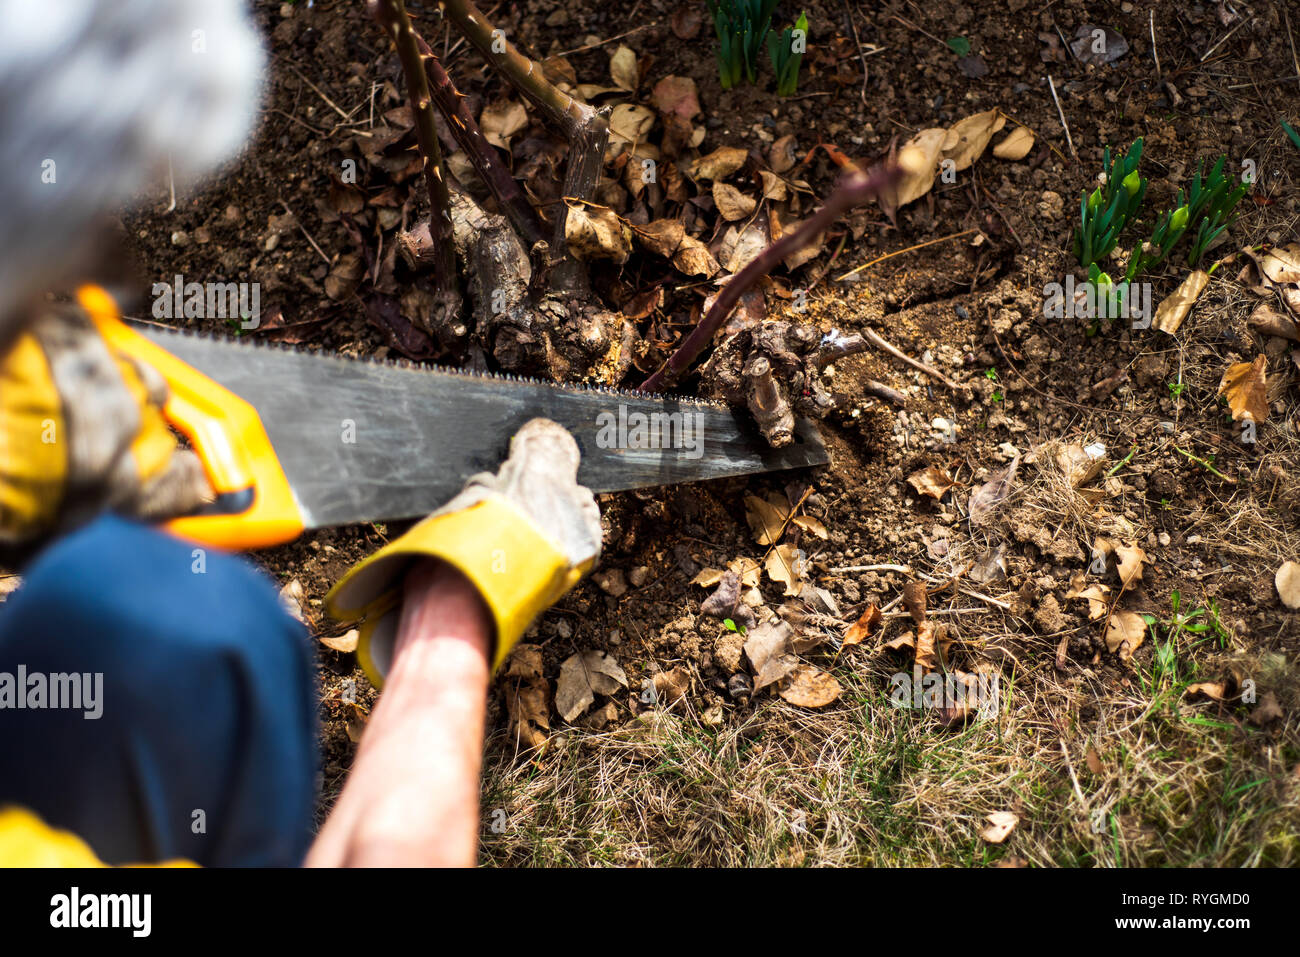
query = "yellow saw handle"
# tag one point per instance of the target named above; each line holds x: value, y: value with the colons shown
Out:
x: 255, y: 506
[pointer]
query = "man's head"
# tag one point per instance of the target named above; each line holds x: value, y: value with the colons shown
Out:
x: 96, y: 98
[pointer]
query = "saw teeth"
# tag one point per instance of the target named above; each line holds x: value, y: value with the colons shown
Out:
x: 417, y: 368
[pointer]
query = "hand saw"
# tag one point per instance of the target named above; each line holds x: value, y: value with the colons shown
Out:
x: 293, y: 439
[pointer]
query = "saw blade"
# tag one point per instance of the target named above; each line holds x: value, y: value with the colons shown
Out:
x: 365, y: 440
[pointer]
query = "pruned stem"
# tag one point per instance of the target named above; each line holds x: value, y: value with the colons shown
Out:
x: 391, y: 16
x: 857, y: 189
x: 504, y: 188
x: 524, y: 75
x: 586, y: 128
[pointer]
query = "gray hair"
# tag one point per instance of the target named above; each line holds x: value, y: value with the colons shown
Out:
x: 96, y: 97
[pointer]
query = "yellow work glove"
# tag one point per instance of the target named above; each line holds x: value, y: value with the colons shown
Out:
x: 523, y: 537
x: 82, y: 431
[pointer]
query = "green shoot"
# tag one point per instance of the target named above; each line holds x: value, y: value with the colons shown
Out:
x: 1211, y: 204
x: 1105, y: 212
x: 786, y: 53
x: 742, y: 27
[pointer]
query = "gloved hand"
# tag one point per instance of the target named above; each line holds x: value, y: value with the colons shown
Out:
x: 82, y: 430
x: 523, y: 537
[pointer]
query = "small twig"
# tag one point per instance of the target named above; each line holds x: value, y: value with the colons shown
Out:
x: 848, y: 11
x: 910, y: 25
x: 303, y: 229
x: 899, y: 252
x: 1154, y: 52
x: 882, y: 391
x: 904, y: 569
x: 1122, y: 462
x: 1068, y: 138
x: 597, y: 46
x: 1295, y: 61
x: 171, y: 184
x: 855, y: 190
x: 880, y: 342
x: 1206, y: 54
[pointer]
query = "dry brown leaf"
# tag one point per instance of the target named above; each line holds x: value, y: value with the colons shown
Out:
x: 768, y: 650
x: 766, y: 517
x: 785, y: 565
x: 932, y: 481
x: 783, y: 154
x: 904, y: 642
x: 1281, y: 265
x: 527, y: 696
x: 1096, y: 596
x: 1287, y: 582
x: 1270, y: 322
x: 1125, y: 632
x: 1000, y: 826
x: 345, y: 643
x: 1214, y: 690
x: 919, y: 158
x: 719, y: 164
x: 501, y: 120
x: 984, y: 501
x: 811, y: 525
x: 661, y: 237
x: 732, y: 203
x: 584, y: 675
x: 1078, y: 464
x: 810, y: 687
x: 967, y: 139
x: 1174, y: 308
x: 868, y: 623
x: 1268, y: 710
x: 630, y: 123
x: 694, y: 259
x: 671, y: 686
x: 676, y: 96
x: 596, y: 232
x: 1131, y: 559
x: 1246, y: 386
x: 293, y: 598
x: 774, y: 187
x: 927, y: 652
x: 1093, y: 760
x: 623, y: 69
x: 1015, y: 145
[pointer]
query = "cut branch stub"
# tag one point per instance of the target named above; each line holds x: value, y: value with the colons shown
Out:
x: 587, y: 129
x: 392, y: 18
x: 853, y: 191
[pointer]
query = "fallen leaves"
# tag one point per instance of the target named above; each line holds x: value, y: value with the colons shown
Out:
x: 719, y: 164
x: 1125, y: 632
x: 811, y: 687
x: 768, y: 650
x: 1000, y: 826
x: 787, y: 566
x: 868, y: 623
x: 932, y: 481
x: 1130, y: 559
x: 985, y: 500
x: 1175, y: 307
x: 1287, y: 582
x: 1246, y: 386
x: 1015, y: 145
x: 597, y: 232
x: 583, y: 676
x: 527, y: 697
x: 767, y: 517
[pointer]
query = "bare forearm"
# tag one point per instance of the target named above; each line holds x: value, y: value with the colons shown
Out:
x: 412, y: 795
